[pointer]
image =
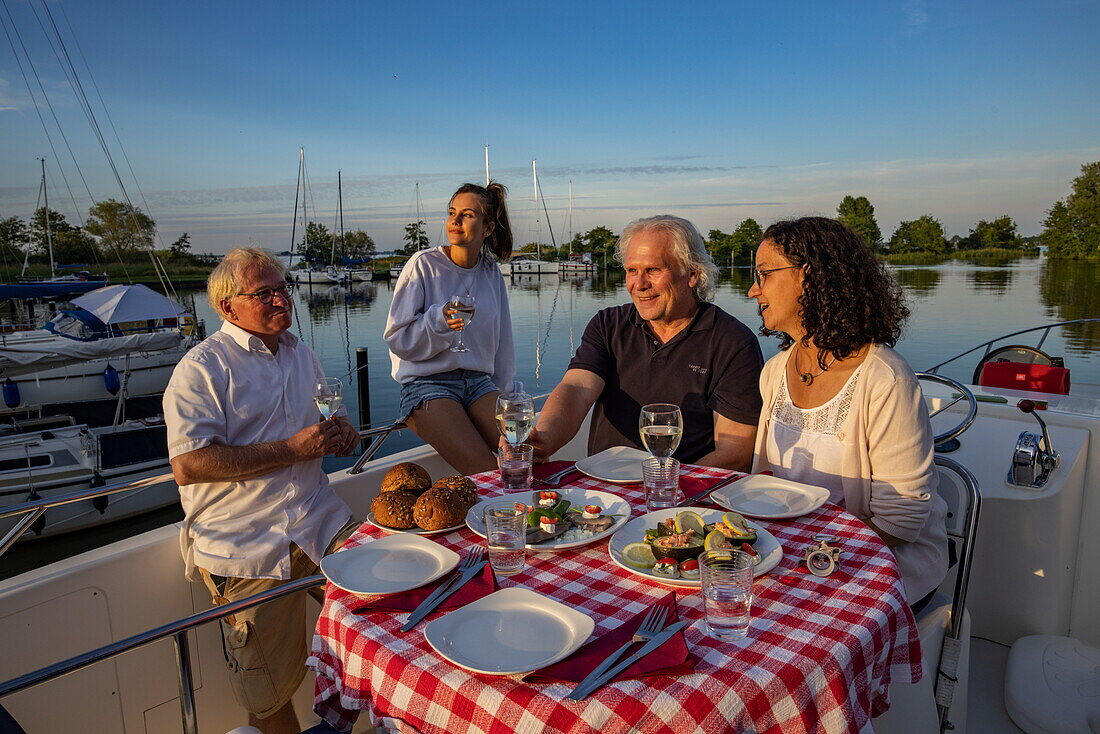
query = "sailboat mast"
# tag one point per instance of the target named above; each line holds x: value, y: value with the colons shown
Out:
x: 535, y: 198
x: 487, y: 179
x: 570, y: 218
x: 297, y: 189
x: 339, y: 217
x: 46, y: 196
x: 419, y: 232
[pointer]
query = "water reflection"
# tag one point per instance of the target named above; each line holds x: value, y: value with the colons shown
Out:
x: 991, y: 280
x: 918, y: 282
x: 1070, y: 289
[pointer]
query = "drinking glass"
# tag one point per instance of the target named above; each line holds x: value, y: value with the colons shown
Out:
x: 515, y: 461
x: 661, y: 426
x: 328, y: 395
x: 463, y: 307
x: 506, y: 537
x: 662, y: 482
x: 515, y: 416
x: 726, y: 577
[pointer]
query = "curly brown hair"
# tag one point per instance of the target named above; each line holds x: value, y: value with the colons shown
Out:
x: 848, y: 298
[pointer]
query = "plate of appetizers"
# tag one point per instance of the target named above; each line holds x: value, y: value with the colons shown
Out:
x: 510, y: 631
x: 663, y: 546
x: 560, y: 519
x: 618, y: 465
x: 388, y: 565
x: 770, y: 498
x: 416, y: 530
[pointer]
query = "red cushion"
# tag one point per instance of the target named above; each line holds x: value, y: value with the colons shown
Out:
x: 1022, y: 376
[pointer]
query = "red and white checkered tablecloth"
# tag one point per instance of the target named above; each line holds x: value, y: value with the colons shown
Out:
x: 820, y: 654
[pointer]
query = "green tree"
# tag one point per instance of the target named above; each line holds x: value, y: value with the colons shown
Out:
x: 358, y: 245
x: 1073, y: 226
x: 14, y: 237
x: 316, y: 244
x: 181, y: 248
x: 416, y: 237
x: 857, y: 213
x: 924, y: 234
x: 720, y: 246
x: 600, y: 241
x: 1000, y: 234
x: 746, y: 237
x: 70, y: 244
x: 120, y: 228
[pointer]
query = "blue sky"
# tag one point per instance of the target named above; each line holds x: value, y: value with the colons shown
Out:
x: 714, y: 111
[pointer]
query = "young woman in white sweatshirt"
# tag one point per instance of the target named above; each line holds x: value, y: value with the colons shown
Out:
x: 449, y: 398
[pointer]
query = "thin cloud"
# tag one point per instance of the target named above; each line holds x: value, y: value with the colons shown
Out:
x: 916, y: 15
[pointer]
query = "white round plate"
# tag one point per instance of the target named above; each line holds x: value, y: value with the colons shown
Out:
x: 388, y: 565
x: 770, y: 498
x: 611, y: 504
x: 411, y: 531
x: 510, y: 631
x: 634, y: 532
x: 618, y: 465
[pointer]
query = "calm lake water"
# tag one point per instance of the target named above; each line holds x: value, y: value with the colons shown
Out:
x: 955, y: 306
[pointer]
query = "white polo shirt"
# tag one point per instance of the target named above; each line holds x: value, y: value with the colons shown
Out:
x: 232, y: 390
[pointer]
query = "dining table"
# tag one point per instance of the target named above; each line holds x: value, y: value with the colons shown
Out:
x: 820, y: 654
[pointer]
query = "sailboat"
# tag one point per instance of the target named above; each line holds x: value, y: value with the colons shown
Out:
x: 353, y: 270
x: 395, y: 270
x: 525, y: 264
x: 578, y: 263
x: 310, y: 273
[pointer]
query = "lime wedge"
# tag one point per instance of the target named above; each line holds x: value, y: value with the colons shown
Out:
x: 639, y: 555
x: 736, y: 523
x: 690, y: 522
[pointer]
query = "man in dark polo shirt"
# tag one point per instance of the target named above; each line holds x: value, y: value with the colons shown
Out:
x: 670, y: 345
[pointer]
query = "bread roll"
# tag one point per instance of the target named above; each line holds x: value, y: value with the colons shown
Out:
x: 407, y: 477
x: 394, y: 509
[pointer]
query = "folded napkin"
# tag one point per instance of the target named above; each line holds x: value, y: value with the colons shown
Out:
x: 406, y: 601
x: 671, y: 658
x: 540, y: 471
x: 691, y: 486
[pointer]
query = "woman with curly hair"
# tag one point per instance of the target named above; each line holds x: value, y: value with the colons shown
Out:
x: 843, y: 410
x: 448, y: 396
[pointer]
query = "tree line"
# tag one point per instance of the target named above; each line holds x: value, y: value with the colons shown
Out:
x: 318, y: 244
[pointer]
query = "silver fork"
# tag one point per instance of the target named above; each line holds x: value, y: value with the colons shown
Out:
x: 461, y: 575
x: 557, y: 476
x: 653, y: 623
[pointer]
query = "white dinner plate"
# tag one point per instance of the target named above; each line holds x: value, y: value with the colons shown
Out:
x: 510, y: 631
x: 634, y: 532
x: 578, y: 498
x: 618, y: 465
x: 388, y: 565
x: 411, y: 531
x: 770, y: 497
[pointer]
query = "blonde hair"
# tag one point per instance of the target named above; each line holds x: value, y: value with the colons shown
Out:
x: 223, y: 284
x: 688, y: 250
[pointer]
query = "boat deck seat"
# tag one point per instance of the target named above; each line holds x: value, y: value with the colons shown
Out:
x: 1052, y: 685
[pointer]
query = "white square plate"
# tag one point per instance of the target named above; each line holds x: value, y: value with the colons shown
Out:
x: 770, y: 498
x: 578, y: 498
x: 618, y: 465
x: 510, y: 631
x: 388, y: 565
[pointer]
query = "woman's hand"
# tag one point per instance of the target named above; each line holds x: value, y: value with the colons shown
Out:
x: 453, y: 323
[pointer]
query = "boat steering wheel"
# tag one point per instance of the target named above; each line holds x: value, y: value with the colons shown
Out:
x: 962, y: 393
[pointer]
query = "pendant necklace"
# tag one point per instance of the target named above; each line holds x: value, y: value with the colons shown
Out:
x: 807, y: 378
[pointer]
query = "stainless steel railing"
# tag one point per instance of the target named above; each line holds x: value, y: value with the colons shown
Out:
x: 989, y: 344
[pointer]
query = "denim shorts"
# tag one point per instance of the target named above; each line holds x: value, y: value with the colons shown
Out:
x: 462, y: 386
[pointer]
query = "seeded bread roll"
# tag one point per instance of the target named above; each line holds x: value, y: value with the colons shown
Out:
x: 460, y: 485
x: 394, y: 509
x: 440, y: 508
x: 407, y: 477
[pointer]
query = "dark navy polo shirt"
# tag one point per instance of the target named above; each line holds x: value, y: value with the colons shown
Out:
x: 712, y: 366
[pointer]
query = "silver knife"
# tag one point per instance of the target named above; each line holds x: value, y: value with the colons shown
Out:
x: 582, y: 691
x: 441, y: 594
x: 700, y: 495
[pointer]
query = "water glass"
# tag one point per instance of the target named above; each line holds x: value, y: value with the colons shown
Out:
x: 515, y: 462
x: 662, y: 482
x: 726, y: 577
x: 506, y: 537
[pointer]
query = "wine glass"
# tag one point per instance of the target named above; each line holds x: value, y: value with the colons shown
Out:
x: 328, y: 395
x: 661, y: 426
x: 463, y: 307
x: 515, y: 416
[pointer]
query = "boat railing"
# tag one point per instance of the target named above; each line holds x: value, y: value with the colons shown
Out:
x: 989, y: 344
x: 177, y: 630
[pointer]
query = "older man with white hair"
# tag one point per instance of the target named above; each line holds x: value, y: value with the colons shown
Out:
x: 669, y: 345
x: 246, y: 440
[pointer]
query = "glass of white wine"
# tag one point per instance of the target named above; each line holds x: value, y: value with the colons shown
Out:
x: 328, y: 396
x: 515, y: 416
x: 661, y: 426
x: 463, y: 307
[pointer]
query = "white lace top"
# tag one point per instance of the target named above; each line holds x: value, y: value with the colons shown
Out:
x: 809, y: 442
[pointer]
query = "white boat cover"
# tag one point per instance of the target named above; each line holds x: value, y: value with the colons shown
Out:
x: 119, y: 303
x: 21, y: 359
